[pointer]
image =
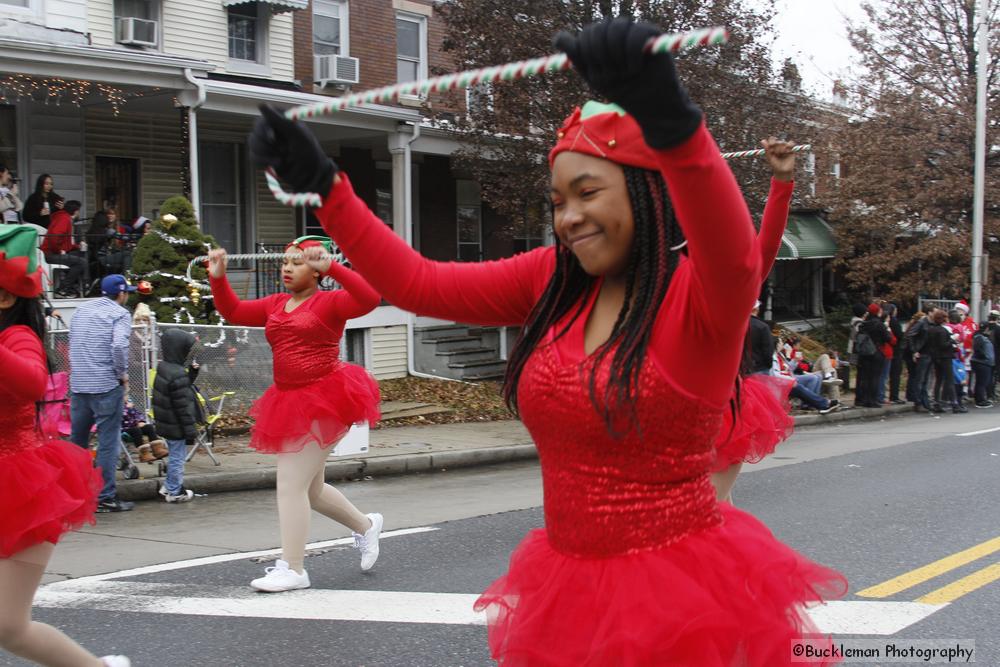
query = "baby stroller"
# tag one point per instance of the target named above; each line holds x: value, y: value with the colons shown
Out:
x: 56, y: 422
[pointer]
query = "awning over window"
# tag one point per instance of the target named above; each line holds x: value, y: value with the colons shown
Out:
x: 807, y: 237
x: 277, y: 6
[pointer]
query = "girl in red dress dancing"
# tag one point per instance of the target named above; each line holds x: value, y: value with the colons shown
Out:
x: 47, y: 487
x: 638, y: 563
x: 315, y: 397
x: 760, y: 419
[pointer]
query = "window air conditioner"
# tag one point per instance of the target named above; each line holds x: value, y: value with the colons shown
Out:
x: 135, y: 31
x: 337, y: 70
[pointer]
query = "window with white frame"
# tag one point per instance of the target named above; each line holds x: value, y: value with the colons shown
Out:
x: 411, y: 47
x: 224, y: 194
x: 469, y: 210
x: 479, y: 99
x: 144, y: 17
x: 246, y: 33
x: 330, y: 28
x: 810, y: 169
x: 530, y: 233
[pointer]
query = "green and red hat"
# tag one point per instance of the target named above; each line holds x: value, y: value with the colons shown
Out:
x: 19, y: 270
x: 311, y: 241
x: 605, y: 131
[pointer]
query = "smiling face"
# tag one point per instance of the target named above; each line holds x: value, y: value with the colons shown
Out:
x: 592, y: 213
x: 296, y: 275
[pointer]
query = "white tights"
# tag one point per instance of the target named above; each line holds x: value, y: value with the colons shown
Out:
x: 302, y: 487
x: 19, y: 578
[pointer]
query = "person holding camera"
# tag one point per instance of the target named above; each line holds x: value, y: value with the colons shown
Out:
x: 10, y: 204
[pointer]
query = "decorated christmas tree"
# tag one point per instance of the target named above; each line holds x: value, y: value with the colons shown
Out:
x: 161, y: 258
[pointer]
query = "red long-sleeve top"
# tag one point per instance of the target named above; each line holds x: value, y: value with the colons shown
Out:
x: 772, y: 225
x: 23, y: 371
x: 333, y: 308
x: 720, y: 276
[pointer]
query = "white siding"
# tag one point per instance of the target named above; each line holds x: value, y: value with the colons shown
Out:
x: 153, y: 139
x: 280, y: 47
x: 275, y: 221
x: 55, y: 145
x: 100, y: 22
x: 199, y: 29
x: 66, y: 14
x: 388, y: 352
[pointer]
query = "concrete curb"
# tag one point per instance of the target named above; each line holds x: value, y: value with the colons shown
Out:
x: 401, y: 464
x: 396, y: 464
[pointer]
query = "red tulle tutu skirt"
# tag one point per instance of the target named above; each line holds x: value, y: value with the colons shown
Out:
x: 762, y: 422
x: 729, y: 595
x: 45, y: 491
x: 286, y: 420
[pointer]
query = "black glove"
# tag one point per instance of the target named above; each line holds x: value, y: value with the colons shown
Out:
x: 291, y: 149
x: 610, y: 56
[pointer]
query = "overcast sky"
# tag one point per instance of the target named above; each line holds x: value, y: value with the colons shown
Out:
x: 812, y: 32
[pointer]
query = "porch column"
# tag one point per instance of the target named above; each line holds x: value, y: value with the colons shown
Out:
x: 397, y: 148
x: 818, y: 289
x: 193, y: 162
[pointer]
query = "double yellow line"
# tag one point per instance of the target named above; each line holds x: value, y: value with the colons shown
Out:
x: 952, y: 591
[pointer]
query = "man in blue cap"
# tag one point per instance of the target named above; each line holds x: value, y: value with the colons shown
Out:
x: 98, y: 355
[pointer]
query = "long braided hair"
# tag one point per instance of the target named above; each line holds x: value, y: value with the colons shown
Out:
x: 654, y: 258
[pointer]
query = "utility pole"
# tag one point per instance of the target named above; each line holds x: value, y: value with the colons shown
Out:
x: 979, y: 186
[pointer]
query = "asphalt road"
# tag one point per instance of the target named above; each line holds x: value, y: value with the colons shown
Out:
x: 876, y: 500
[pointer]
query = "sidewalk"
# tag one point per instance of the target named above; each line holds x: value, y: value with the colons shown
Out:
x: 393, y: 451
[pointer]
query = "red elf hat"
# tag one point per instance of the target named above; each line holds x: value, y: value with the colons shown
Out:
x: 605, y: 131
x: 19, y: 272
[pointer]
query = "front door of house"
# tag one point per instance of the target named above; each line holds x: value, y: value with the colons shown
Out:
x: 117, y: 182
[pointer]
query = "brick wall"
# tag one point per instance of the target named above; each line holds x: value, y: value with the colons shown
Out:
x: 373, y: 43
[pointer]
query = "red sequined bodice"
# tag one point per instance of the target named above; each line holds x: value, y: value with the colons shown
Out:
x: 305, y: 348
x: 17, y: 427
x: 607, y: 496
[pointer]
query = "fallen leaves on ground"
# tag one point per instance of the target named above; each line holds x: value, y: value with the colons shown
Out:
x: 470, y: 402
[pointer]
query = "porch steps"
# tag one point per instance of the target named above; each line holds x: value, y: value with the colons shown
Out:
x: 460, y: 352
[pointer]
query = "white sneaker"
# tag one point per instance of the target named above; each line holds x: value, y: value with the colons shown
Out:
x: 368, y: 543
x: 116, y: 661
x: 185, y: 496
x: 281, y: 578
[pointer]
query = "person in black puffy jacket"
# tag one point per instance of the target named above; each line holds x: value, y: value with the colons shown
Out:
x: 175, y: 409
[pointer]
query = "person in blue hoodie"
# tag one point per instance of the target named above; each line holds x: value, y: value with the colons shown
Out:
x: 983, y: 360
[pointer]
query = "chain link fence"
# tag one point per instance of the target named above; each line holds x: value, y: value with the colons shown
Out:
x: 236, y: 359
x: 142, y: 356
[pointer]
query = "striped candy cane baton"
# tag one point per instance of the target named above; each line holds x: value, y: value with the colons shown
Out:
x: 511, y: 71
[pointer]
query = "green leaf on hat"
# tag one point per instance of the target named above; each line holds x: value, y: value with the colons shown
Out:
x: 593, y: 108
x: 20, y: 241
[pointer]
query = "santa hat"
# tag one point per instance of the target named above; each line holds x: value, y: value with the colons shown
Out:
x: 19, y: 271
x: 604, y: 131
x: 140, y: 222
x: 874, y: 308
x: 962, y: 306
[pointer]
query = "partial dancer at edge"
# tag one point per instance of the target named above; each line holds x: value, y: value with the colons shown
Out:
x: 47, y: 487
x: 638, y: 563
x: 314, y: 400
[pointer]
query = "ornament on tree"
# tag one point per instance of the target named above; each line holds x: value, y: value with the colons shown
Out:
x: 144, y: 287
x: 195, y: 295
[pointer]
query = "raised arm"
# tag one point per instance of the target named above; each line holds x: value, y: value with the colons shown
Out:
x: 490, y: 293
x: 772, y: 225
x: 23, y: 372
x: 782, y: 161
x: 251, y: 313
x: 357, y: 297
